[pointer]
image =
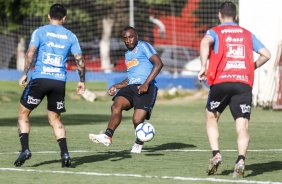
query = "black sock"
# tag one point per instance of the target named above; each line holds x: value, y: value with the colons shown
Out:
x: 239, y: 158
x: 109, y: 132
x: 63, y: 146
x: 214, y: 152
x: 139, y: 142
x: 24, y: 141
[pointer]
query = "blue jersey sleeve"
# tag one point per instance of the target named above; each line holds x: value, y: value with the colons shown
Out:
x: 215, y: 38
x: 35, y: 38
x: 257, y: 45
x: 148, y: 49
x: 75, y: 48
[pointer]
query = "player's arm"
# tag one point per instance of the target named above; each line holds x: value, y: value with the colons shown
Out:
x: 80, y: 64
x: 259, y: 48
x: 31, y: 52
x: 157, y: 66
x: 112, y: 90
x: 263, y: 58
x: 204, y: 55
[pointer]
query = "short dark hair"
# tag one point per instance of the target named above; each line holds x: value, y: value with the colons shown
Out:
x: 228, y: 9
x: 129, y: 28
x: 57, y: 11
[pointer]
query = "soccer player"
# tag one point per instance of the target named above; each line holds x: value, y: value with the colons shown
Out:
x: 230, y: 74
x: 137, y: 91
x: 50, y: 44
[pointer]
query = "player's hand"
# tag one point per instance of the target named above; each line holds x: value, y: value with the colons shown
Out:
x: 23, y: 80
x: 112, y: 90
x: 202, y: 75
x: 143, y: 88
x: 80, y: 88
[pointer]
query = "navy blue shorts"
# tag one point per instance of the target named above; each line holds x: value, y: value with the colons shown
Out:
x: 237, y: 95
x: 37, y: 89
x: 144, y: 101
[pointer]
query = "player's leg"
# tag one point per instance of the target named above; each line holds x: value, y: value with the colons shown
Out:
x: 59, y: 130
x: 23, y: 129
x: 56, y: 106
x: 212, y: 131
x: 243, y: 137
x: 143, y: 106
x: 30, y: 99
x: 217, y: 101
x: 139, y: 116
x: 240, y: 107
x: 120, y: 103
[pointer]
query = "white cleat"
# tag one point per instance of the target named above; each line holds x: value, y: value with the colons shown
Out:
x: 101, y: 138
x: 239, y: 169
x: 136, y: 148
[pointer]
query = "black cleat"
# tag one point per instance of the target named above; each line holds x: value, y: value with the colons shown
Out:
x: 66, y: 160
x: 25, y: 155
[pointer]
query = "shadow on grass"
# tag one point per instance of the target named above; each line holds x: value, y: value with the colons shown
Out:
x: 100, y: 156
x: 74, y: 119
x: 170, y: 146
x: 259, y: 168
x: 115, y: 156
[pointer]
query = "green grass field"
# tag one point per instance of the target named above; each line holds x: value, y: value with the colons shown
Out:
x: 179, y: 152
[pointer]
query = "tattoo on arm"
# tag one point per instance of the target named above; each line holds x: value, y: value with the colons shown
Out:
x: 29, y: 58
x: 80, y: 66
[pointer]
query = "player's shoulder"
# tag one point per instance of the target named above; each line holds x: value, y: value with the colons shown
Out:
x: 144, y: 45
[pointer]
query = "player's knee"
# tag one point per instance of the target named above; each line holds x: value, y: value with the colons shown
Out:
x: 116, y: 108
x: 136, y: 121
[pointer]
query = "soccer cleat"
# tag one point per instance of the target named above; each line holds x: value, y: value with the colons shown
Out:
x: 214, y: 163
x: 239, y: 169
x: 136, y: 148
x: 66, y: 160
x: 24, y: 155
x: 101, y: 138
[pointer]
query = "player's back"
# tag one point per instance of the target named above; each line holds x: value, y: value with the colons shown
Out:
x: 53, y: 43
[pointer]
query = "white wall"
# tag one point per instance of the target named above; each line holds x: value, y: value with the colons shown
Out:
x: 264, y: 19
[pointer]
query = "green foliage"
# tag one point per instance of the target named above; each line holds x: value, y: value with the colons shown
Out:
x: 107, y: 2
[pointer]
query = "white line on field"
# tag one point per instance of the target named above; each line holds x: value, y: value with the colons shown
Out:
x: 169, y: 150
x: 141, y: 176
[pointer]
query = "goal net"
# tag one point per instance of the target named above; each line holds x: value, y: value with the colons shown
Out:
x: 174, y: 27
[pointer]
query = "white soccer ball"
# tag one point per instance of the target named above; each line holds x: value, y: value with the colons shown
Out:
x: 145, y: 132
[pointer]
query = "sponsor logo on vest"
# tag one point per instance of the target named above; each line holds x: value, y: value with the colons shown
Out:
x: 235, y: 51
x: 230, y: 39
x: 51, y: 69
x: 60, y: 105
x: 31, y: 100
x: 52, y: 59
x: 52, y: 44
x: 57, y: 35
x: 245, y: 108
x: 235, y: 65
x: 133, y: 62
x: 214, y: 104
x: 232, y: 31
x: 236, y: 77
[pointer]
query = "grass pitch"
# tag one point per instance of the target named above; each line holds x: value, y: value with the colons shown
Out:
x: 179, y: 152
